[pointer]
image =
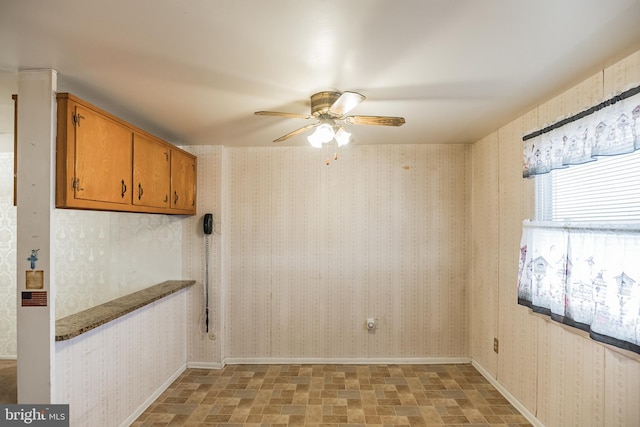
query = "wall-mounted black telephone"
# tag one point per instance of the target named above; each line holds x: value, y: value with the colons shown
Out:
x: 207, y: 226
x: 207, y: 223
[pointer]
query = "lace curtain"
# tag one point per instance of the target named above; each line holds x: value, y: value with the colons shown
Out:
x: 610, y: 128
x: 586, y: 277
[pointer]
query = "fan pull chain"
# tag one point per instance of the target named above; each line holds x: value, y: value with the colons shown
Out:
x: 335, y: 157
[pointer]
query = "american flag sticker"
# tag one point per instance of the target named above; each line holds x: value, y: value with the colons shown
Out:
x: 34, y: 299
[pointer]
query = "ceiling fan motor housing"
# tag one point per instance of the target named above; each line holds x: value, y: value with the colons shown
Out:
x: 328, y: 107
x: 321, y: 102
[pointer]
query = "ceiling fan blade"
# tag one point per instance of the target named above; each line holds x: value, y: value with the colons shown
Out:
x: 295, y: 132
x: 375, y: 120
x: 346, y: 102
x: 281, y: 114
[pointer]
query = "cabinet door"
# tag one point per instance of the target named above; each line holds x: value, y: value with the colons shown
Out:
x: 183, y: 179
x: 151, y: 172
x: 102, y: 158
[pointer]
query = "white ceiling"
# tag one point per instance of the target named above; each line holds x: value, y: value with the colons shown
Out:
x: 193, y: 72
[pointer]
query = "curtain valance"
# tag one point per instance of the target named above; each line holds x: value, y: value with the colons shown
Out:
x: 582, y: 276
x: 607, y: 129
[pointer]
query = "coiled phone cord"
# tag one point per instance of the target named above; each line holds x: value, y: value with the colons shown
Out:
x: 206, y: 285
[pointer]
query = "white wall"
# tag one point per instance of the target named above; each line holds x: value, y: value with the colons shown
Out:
x: 557, y: 373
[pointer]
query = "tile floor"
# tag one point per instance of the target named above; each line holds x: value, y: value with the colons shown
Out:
x: 332, y: 395
x: 8, y: 383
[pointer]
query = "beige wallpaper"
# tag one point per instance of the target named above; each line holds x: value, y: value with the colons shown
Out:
x: 484, y: 301
x: 8, y: 344
x: 559, y: 375
x: 315, y: 250
x: 204, y: 349
x: 516, y: 359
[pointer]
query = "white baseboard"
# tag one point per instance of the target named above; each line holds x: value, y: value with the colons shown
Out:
x: 8, y: 357
x: 507, y: 395
x: 345, y: 361
x: 205, y: 365
x: 131, y: 418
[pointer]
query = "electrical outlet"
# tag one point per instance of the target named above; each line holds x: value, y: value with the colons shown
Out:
x: 372, y: 324
x: 495, y: 345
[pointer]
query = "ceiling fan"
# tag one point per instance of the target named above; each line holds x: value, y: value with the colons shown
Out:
x: 329, y: 108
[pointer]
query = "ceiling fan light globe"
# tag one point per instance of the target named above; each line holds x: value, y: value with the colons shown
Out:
x: 324, y: 132
x: 342, y: 137
x: 314, y: 140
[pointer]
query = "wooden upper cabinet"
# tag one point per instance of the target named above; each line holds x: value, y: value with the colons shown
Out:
x: 151, y: 172
x: 104, y: 163
x: 183, y: 181
x: 102, y: 158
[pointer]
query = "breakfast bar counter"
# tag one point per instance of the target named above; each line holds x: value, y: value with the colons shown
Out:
x: 76, y: 324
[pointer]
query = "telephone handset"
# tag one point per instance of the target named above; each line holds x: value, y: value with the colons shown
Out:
x: 207, y: 223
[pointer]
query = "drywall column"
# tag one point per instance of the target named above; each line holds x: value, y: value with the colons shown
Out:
x: 35, y: 243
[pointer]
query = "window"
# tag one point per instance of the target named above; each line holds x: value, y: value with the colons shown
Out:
x: 579, y: 259
x: 604, y: 191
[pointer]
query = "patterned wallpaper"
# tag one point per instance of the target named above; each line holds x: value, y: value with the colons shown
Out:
x: 8, y: 226
x: 104, y: 255
x: 485, y: 243
x: 312, y: 251
x: 201, y: 348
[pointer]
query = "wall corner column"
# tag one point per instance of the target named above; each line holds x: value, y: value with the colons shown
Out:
x: 35, y: 235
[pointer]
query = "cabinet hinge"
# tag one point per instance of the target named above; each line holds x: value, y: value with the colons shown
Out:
x: 75, y: 184
x: 75, y: 119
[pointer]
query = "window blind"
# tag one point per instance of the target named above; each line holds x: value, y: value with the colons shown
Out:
x: 606, y: 190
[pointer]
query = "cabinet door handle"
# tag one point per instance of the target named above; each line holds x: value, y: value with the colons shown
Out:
x: 175, y: 197
x: 124, y: 189
x: 166, y: 198
x: 140, y: 192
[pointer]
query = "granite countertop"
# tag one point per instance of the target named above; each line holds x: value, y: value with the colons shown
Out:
x: 79, y: 323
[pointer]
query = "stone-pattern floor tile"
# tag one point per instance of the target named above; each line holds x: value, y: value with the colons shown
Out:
x: 332, y: 396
